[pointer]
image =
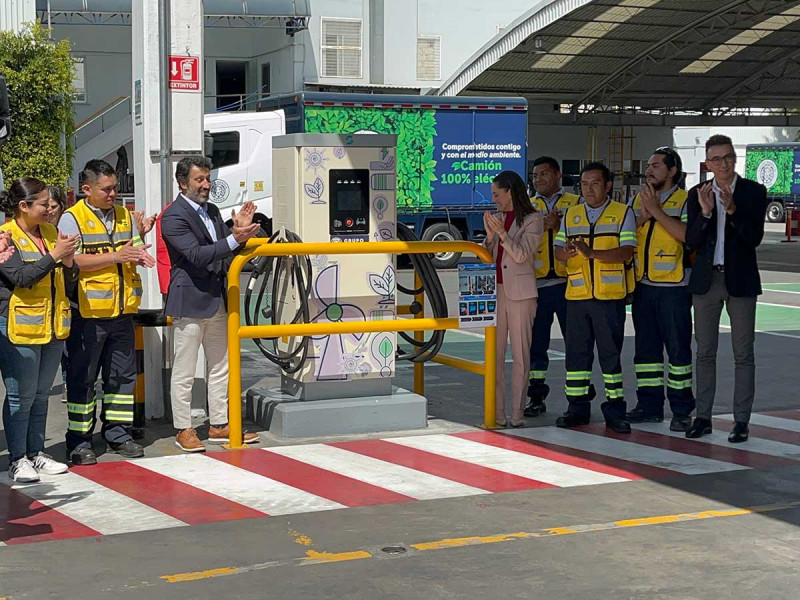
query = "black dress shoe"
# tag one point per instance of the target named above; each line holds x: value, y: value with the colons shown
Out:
x: 638, y: 415
x: 699, y: 428
x: 127, y: 449
x: 534, y: 408
x: 82, y: 456
x: 619, y: 426
x: 570, y: 420
x: 739, y: 434
x: 680, y: 423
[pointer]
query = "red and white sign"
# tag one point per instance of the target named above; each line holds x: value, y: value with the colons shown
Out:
x: 184, y: 73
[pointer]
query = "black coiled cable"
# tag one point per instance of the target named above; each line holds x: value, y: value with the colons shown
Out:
x: 292, y: 271
x: 436, y: 299
x: 298, y: 271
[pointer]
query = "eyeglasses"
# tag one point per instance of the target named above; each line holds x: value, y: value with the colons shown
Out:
x: 717, y: 160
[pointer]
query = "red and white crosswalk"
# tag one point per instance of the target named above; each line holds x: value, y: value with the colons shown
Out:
x: 178, y: 491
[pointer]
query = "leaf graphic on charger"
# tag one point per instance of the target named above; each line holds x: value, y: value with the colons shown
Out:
x: 385, y: 349
x: 378, y: 285
x: 315, y: 189
x: 388, y: 277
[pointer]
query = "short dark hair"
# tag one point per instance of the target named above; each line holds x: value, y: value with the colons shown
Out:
x: 598, y: 166
x: 673, y: 161
x: 549, y: 161
x: 93, y: 170
x: 185, y: 165
x: 718, y: 140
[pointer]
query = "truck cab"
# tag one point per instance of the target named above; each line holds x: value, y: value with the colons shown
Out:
x: 241, y: 152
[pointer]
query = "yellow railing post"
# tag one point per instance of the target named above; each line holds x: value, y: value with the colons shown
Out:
x: 419, y: 368
x: 235, y: 436
x: 489, y: 376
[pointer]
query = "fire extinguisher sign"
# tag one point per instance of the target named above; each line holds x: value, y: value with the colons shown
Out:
x: 184, y: 73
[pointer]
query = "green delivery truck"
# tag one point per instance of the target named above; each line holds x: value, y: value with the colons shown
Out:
x: 777, y: 167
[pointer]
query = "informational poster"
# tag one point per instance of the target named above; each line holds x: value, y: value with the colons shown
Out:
x: 477, y: 295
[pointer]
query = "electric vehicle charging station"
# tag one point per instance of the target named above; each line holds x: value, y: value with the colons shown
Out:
x: 335, y: 188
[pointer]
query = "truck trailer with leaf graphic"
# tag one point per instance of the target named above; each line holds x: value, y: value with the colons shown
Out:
x: 777, y: 167
x: 448, y: 150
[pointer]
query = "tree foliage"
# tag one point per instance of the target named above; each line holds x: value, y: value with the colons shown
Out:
x: 39, y: 77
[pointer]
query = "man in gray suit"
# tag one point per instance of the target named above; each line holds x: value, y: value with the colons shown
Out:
x: 200, y: 248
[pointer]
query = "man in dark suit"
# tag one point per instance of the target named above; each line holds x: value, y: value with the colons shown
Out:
x: 200, y: 249
x: 725, y: 226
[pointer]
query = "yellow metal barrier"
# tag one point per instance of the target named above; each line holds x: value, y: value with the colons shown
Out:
x: 237, y: 332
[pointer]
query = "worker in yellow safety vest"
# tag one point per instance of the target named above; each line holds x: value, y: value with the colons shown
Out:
x: 597, y: 240
x: 662, y: 303
x: 109, y: 292
x: 34, y: 321
x: 551, y: 276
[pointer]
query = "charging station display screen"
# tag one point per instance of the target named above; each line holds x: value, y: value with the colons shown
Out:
x: 349, y: 200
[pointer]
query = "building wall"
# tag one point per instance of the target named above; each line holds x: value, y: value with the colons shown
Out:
x: 13, y: 13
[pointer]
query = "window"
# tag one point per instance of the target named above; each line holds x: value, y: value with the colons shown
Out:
x: 226, y: 149
x: 341, y: 48
x: 265, y: 78
x: 429, y: 55
x: 78, y: 81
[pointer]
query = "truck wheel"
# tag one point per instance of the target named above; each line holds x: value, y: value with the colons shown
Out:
x: 775, y: 212
x: 266, y: 225
x: 443, y: 232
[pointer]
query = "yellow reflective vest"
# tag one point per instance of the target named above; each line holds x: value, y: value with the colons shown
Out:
x: 659, y: 257
x: 588, y: 279
x: 113, y: 290
x: 547, y: 267
x: 40, y: 312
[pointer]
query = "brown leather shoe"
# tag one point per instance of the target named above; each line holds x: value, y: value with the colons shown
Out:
x: 221, y: 435
x: 188, y: 441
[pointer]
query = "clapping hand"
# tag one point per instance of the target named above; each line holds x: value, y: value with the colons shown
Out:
x: 650, y: 201
x: 705, y: 196
x: 143, y: 224
x: 726, y: 199
x: 65, y: 247
x: 245, y: 215
x: 135, y: 254
x: 552, y: 219
x: 6, y: 247
x: 582, y: 247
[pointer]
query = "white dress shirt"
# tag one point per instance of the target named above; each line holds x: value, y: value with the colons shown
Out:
x: 719, y: 249
x: 203, y: 212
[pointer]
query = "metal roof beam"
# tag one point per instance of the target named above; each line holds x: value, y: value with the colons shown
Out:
x: 667, y: 49
x: 757, y: 82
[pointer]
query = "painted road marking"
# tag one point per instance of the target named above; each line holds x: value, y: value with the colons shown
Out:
x: 664, y: 458
x: 252, y: 490
x: 327, y: 484
x: 490, y: 478
x: 416, y: 548
x: 94, y: 505
x: 154, y: 493
x: 755, y: 446
x: 768, y: 421
x: 522, y: 465
x: 190, y: 504
x: 402, y: 480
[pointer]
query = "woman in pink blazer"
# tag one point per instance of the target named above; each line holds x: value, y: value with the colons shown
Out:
x: 513, y: 236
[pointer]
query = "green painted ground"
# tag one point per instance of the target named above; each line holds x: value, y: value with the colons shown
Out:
x: 782, y: 287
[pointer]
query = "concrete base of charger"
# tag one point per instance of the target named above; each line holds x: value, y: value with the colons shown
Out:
x: 286, y: 416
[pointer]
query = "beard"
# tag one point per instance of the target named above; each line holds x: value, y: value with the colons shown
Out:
x: 196, y: 196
